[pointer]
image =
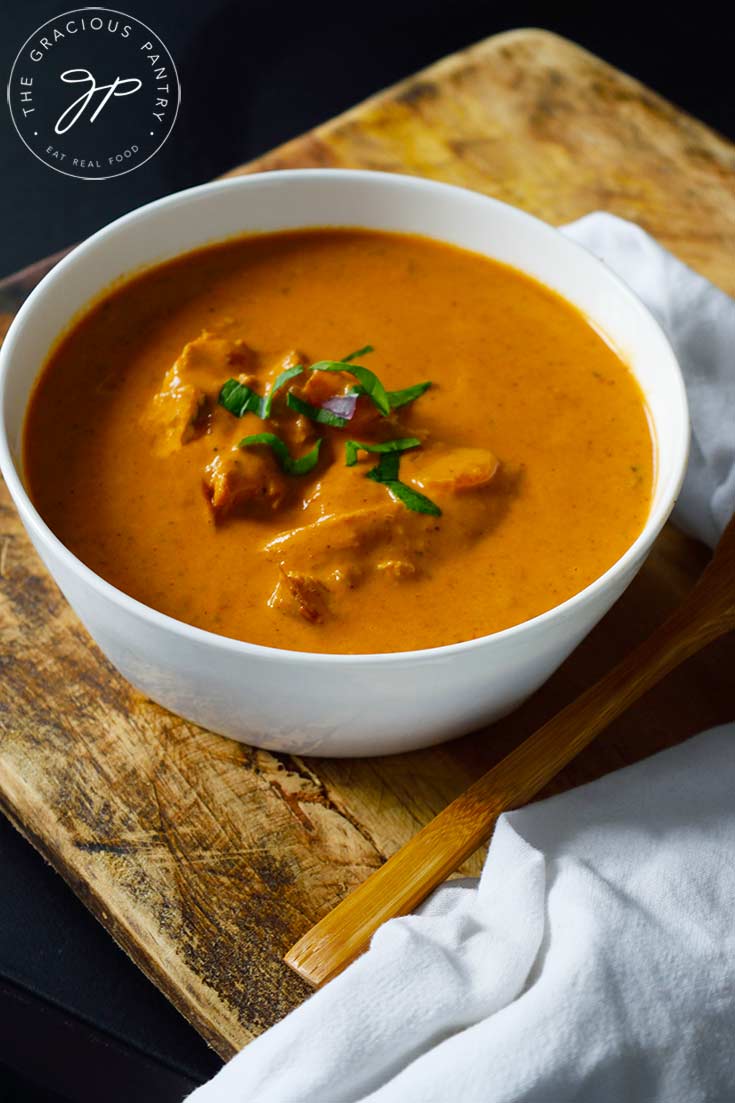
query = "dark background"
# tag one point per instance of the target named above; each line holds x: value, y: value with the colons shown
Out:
x: 77, y: 1020
x: 256, y: 72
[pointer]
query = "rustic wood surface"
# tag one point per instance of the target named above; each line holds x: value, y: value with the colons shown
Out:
x: 206, y: 859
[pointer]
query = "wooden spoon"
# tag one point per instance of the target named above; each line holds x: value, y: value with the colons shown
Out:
x: 446, y: 841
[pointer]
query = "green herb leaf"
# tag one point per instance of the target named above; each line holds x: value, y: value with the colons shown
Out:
x: 316, y: 413
x: 396, y: 399
x: 280, y: 450
x: 386, y: 471
x: 239, y: 399
x: 353, y: 446
x: 280, y: 382
x: 411, y: 498
x: 368, y: 380
x: 357, y: 353
x: 408, y: 394
x: 304, y: 464
x: 301, y: 466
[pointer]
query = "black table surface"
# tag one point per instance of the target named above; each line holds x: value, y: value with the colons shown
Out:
x: 78, y: 1021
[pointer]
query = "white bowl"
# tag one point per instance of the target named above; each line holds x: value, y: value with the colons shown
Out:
x: 337, y: 704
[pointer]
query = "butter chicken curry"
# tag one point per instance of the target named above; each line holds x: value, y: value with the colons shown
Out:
x: 340, y: 441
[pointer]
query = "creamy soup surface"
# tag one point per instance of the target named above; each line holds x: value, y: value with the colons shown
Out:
x: 517, y: 477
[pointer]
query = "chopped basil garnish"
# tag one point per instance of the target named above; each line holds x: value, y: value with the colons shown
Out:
x: 280, y: 382
x: 396, y: 399
x: 239, y: 399
x: 368, y: 380
x: 358, y: 352
x: 316, y: 413
x: 408, y: 394
x: 301, y: 466
x: 353, y: 446
x: 411, y: 498
x: 386, y: 472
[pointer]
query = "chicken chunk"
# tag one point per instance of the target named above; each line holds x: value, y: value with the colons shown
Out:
x: 337, y: 552
x: 178, y: 412
x: 334, y: 538
x: 301, y: 595
x: 321, y: 385
x: 243, y: 481
x: 270, y: 367
x: 452, y: 470
x: 210, y: 359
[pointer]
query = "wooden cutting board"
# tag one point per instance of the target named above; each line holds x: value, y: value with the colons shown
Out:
x: 206, y: 859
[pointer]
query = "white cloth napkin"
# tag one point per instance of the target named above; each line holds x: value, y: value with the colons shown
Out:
x: 595, y: 959
x: 699, y: 320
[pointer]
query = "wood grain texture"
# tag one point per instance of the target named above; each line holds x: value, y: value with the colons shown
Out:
x: 205, y: 859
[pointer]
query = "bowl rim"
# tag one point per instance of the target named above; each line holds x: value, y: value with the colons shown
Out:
x: 655, y: 520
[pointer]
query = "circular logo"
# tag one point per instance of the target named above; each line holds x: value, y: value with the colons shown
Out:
x: 93, y: 93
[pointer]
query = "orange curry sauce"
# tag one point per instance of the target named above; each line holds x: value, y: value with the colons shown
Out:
x: 534, y: 444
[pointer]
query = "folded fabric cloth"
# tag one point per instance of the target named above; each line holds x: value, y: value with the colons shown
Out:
x: 699, y: 320
x: 595, y: 962
x: 595, y: 959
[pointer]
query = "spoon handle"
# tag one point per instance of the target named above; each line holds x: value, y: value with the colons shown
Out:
x: 465, y: 824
